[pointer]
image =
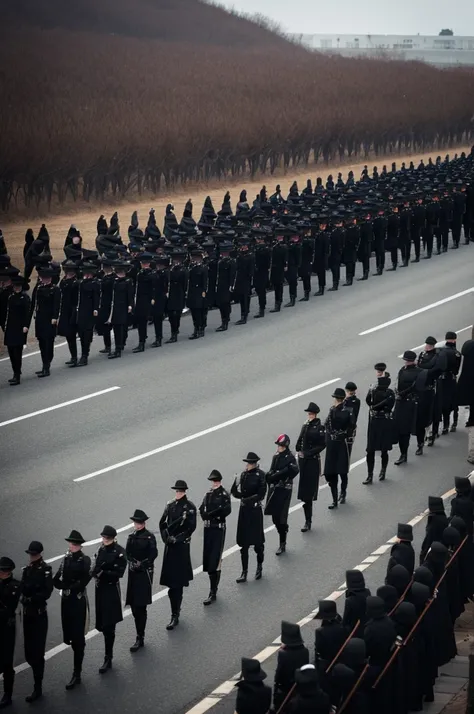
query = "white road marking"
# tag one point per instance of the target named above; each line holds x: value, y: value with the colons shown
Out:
x: 35, y: 352
x: 204, y: 432
x: 439, y: 344
x: 59, y: 406
x: 417, y: 312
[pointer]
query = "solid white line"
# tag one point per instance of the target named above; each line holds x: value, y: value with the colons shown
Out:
x: 35, y: 352
x: 204, y: 432
x: 59, y: 406
x: 417, y: 312
x: 439, y: 344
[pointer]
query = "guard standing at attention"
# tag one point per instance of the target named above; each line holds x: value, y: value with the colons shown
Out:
x: 141, y: 553
x: 283, y: 470
x: 72, y: 579
x: 177, y: 524
x: 339, y: 426
x: 45, y: 303
x: 9, y: 598
x: 17, y: 322
x: 250, y: 489
x: 352, y: 402
x: 311, y: 442
x: 406, y: 402
x: 214, y: 509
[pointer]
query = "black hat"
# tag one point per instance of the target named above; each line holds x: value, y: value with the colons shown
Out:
x: 389, y: 594
x: 313, y: 408
x: 215, y: 475
x: 435, y: 504
x: 6, y: 564
x: 451, y: 537
x: 438, y: 553
x: 69, y: 265
x: 146, y: 257
x: 17, y: 280
x: 419, y: 594
x: 180, y: 485
x: 405, y: 614
x: 307, y: 674
x: 327, y: 610
x: 88, y: 268
x: 423, y: 575
x: 290, y: 634
x: 375, y: 607
x: 139, y: 516
x: 431, y: 341
x: 351, y: 386
x: 459, y: 523
x: 106, y: 260
x: 409, y: 356
x: 75, y: 537
x: 252, y: 458
x: 462, y: 485
x: 338, y: 393
x: 451, y: 335
x: 405, y: 531
x: 399, y: 577
x: 283, y: 440
x: 45, y: 271
x: 35, y: 548
x: 109, y: 532
x: 355, y: 580
x: 354, y: 653
x: 252, y: 670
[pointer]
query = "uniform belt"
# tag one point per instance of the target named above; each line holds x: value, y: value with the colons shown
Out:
x: 378, y: 415
x: 210, y: 524
x: 247, y: 505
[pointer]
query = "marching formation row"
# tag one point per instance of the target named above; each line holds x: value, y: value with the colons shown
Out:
x: 225, y: 257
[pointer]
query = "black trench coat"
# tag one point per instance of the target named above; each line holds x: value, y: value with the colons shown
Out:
x: 105, y: 303
x: 178, y: 285
x: 109, y: 566
x: 311, y: 443
x: 45, y: 307
x: 9, y: 597
x: 214, y: 509
x: 250, y: 488
x: 17, y: 317
x: 122, y: 299
x: 339, y: 427
x: 88, y: 301
x: 72, y: 578
x: 141, y: 553
x: 67, y: 309
x: 380, y: 429
x: 177, y: 524
x: 226, y: 270
x: 144, y: 288
x: 280, y: 485
x: 404, y: 414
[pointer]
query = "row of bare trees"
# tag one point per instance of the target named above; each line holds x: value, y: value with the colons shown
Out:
x: 114, y: 116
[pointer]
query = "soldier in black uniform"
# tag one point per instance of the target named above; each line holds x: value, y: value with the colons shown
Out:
x: 459, y: 209
x: 67, y: 320
x: 310, y: 444
x: 380, y: 433
x: 307, y: 259
x: 321, y: 256
x: 210, y: 262
x: 110, y: 563
x: 339, y: 426
x: 393, y: 235
x: 144, y: 295
x: 72, y: 579
x: 10, y: 589
x: 445, y: 218
x: 159, y: 296
x: 380, y: 224
x: 36, y: 588
x: 214, y: 509
x: 226, y: 270
x: 121, y: 307
x: 243, y: 279
x: 278, y: 265
x: 283, y: 471
x: 250, y: 489
x: 336, y: 249
x: 16, y: 325
x: 88, y: 301
x: 351, y: 246
x: 365, y: 245
x: 177, y: 524
x: 431, y: 225
x: 447, y: 382
x: 178, y: 288
x: 416, y: 227
x: 430, y: 361
x: 261, y: 276
x: 406, y: 401
x: 45, y: 305
x: 196, y: 298
x: 103, y: 326
x: 352, y: 402
x: 292, y: 268
x: 141, y: 553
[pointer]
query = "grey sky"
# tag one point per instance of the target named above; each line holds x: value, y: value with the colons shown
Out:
x: 411, y: 17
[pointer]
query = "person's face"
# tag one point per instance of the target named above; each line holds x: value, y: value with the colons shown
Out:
x: 74, y: 547
x: 138, y: 525
x: 281, y: 449
x: 250, y: 467
x: 34, y: 557
x: 215, y: 484
x: 311, y: 416
x: 180, y: 494
x: 145, y: 265
x: 4, y: 574
x: 87, y: 276
x: 76, y: 240
x: 429, y: 348
x: 107, y: 540
x: 46, y: 280
x: 120, y: 273
x: 17, y: 288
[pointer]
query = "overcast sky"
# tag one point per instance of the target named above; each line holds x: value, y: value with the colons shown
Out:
x: 411, y: 17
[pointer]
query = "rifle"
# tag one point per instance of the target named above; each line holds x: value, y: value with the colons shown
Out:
x: 354, y: 689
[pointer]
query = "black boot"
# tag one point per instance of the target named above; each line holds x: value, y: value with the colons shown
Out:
x: 306, y: 527
x: 174, y: 622
x: 394, y: 267
x: 115, y: 355
x: 319, y: 293
x: 348, y: 282
x: 75, y: 679
x: 259, y: 571
x: 342, y: 497
x: 365, y: 276
x: 83, y: 361
x: 368, y: 480
x: 281, y: 548
x: 5, y: 701
x: 291, y: 303
x: 277, y: 307
x: 156, y: 343
x: 172, y: 339
x: 16, y: 379
x: 379, y: 271
x: 431, y: 440
x: 416, y: 260
x: 105, y: 351
x: 242, y: 578
x: 402, y: 459
x: 405, y: 263
x: 335, y: 286
x: 306, y: 296
x: 195, y: 335
x: 139, y: 642
x: 419, y: 451
x: 382, y: 474
x: 139, y: 348
x: 452, y: 430
x: 334, y: 504
x: 242, y: 321
x: 73, y: 361
x: 36, y: 694
x: 260, y: 313
x: 202, y: 332
x: 107, y: 664
x: 212, y: 597
x: 44, y: 373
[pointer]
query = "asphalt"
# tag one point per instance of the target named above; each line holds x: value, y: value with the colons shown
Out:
x: 167, y: 396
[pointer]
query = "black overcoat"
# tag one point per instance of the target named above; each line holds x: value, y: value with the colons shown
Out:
x: 339, y: 427
x: 283, y: 470
x: 307, y: 256
x: 250, y: 489
x: 278, y: 263
x: 9, y: 597
x: 337, y: 239
x: 72, y: 579
x: 144, y: 289
x: 214, y: 509
x: 105, y: 304
x: 226, y: 270
x: 465, y: 388
x: 122, y: 299
x: 177, y: 524
x: 263, y: 259
x: 253, y: 698
x: 67, y: 309
x: 109, y: 566
x: 160, y: 292
x: 311, y: 443
x: 141, y: 553
x: 45, y: 304
x: 351, y: 244
x: 17, y: 317
x: 197, y: 285
x: 380, y: 429
x: 178, y: 286
x: 88, y: 301
x: 288, y: 661
x: 404, y: 413
x: 244, y: 274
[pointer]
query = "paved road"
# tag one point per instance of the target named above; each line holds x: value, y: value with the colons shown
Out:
x: 176, y: 402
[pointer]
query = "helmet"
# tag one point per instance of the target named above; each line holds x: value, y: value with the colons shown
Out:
x: 283, y: 440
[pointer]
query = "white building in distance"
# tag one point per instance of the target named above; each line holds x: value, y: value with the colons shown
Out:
x: 440, y: 50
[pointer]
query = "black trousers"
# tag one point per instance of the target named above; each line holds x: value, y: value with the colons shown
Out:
x: 199, y: 317
x: 109, y: 639
x: 350, y: 270
x: 428, y: 237
x: 176, y: 598
x: 307, y: 283
x: 308, y: 511
x: 282, y: 528
x: 336, y: 273
x: 85, y: 337
x: 244, y: 555
x: 46, y: 345
x: 262, y: 298
x: 120, y: 336
x: 8, y: 672
x: 225, y: 309
x: 16, y: 356
x: 158, y: 324
x: 139, y: 613
x: 321, y: 278
x: 332, y: 480
x: 244, y: 301
x: 78, y: 646
x: 35, y: 630
x: 371, y: 460
x: 106, y: 336
x: 293, y: 285
x: 420, y: 436
x: 447, y: 415
x: 214, y: 579
x: 72, y: 344
x: 416, y: 238
x: 174, y: 317
x: 394, y: 256
x: 456, y: 229
x: 278, y: 288
x: 142, y: 327
x: 404, y: 443
x: 380, y: 256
